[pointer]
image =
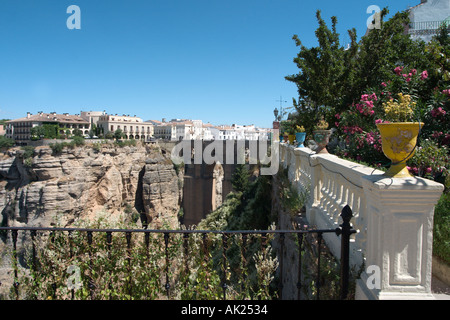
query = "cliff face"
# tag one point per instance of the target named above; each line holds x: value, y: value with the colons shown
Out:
x: 80, y: 182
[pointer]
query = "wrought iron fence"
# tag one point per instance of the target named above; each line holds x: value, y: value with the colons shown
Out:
x: 184, y: 246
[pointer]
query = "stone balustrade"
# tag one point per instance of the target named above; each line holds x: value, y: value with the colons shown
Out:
x: 393, y: 218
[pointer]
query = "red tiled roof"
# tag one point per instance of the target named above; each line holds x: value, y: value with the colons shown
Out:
x: 51, y: 117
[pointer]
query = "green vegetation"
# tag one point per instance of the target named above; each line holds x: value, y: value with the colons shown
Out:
x: 441, y: 240
x: 248, y: 208
x: 118, y: 134
x: 6, y: 142
x: 57, y: 147
x: 125, y: 143
x: 240, y: 180
x: 349, y: 87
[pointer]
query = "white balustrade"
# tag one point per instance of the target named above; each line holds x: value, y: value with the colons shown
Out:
x: 392, y: 218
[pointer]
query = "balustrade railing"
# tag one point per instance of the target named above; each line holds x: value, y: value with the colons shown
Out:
x: 391, y: 217
x: 330, y: 184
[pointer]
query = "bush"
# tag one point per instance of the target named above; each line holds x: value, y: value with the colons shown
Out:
x: 57, y: 148
x: 28, y: 152
x: 125, y: 143
x: 430, y: 161
x: 441, y: 240
x: 78, y: 141
x: 6, y: 142
x: 138, y: 267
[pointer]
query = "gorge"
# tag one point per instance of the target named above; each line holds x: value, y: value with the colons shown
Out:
x: 45, y: 189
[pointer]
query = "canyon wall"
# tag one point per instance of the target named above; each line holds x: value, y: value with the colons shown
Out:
x: 47, y: 189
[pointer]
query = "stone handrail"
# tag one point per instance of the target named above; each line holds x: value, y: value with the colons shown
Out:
x: 393, y: 218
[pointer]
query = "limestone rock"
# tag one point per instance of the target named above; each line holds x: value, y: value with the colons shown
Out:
x: 79, y: 182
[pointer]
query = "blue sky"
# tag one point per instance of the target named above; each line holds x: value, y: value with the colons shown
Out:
x: 221, y: 61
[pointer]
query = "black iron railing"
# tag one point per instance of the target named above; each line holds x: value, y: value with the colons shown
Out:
x: 184, y: 238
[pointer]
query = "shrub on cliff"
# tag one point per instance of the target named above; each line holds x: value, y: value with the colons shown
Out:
x: 6, y: 142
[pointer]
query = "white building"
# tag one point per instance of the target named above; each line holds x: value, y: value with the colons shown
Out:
x: 20, y: 129
x: 133, y: 127
x: 427, y: 17
x: 165, y: 130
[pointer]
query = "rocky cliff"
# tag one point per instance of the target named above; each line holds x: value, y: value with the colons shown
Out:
x: 44, y: 189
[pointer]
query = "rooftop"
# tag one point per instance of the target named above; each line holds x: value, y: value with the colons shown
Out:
x: 51, y: 117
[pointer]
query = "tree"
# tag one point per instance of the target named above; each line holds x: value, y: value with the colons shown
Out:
x: 77, y: 132
x: 118, y: 134
x: 6, y: 142
x: 241, y: 178
x: 332, y: 77
x: 384, y: 49
x: 37, y: 133
x: 324, y: 76
x: 51, y: 130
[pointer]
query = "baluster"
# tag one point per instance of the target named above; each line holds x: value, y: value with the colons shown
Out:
x: 166, y: 243
x: 263, y: 251
x: 52, y: 240
x: 319, y: 244
x: 147, y: 252
x: 33, y: 261
x: 90, y: 280
x: 331, y: 194
x: 244, y: 262
x: 128, y: 238
x: 15, y: 263
x: 299, y: 271
x: 280, y: 287
x: 69, y: 236
x: 224, y: 265
x: 108, y: 248
x: 205, y: 257
x: 186, y: 259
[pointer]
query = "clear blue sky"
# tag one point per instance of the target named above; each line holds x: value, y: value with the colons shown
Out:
x: 220, y: 61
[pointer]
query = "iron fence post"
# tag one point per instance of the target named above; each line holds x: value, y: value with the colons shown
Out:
x: 345, y: 231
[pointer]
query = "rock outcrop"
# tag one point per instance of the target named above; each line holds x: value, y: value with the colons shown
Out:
x: 49, y: 189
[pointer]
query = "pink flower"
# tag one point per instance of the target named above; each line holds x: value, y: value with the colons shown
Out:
x: 408, y: 79
x: 384, y: 84
x: 378, y: 121
x: 413, y: 71
x: 365, y: 97
x: 429, y: 170
x: 398, y: 70
x: 369, y: 104
x: 373, y: 96
x: 438, y: 112
x: 338, y: 116
x: 424, y: 75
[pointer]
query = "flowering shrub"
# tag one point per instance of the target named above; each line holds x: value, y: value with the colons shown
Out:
x: 360, y: 139
x: 430, y: 161
x: 401, y: 111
